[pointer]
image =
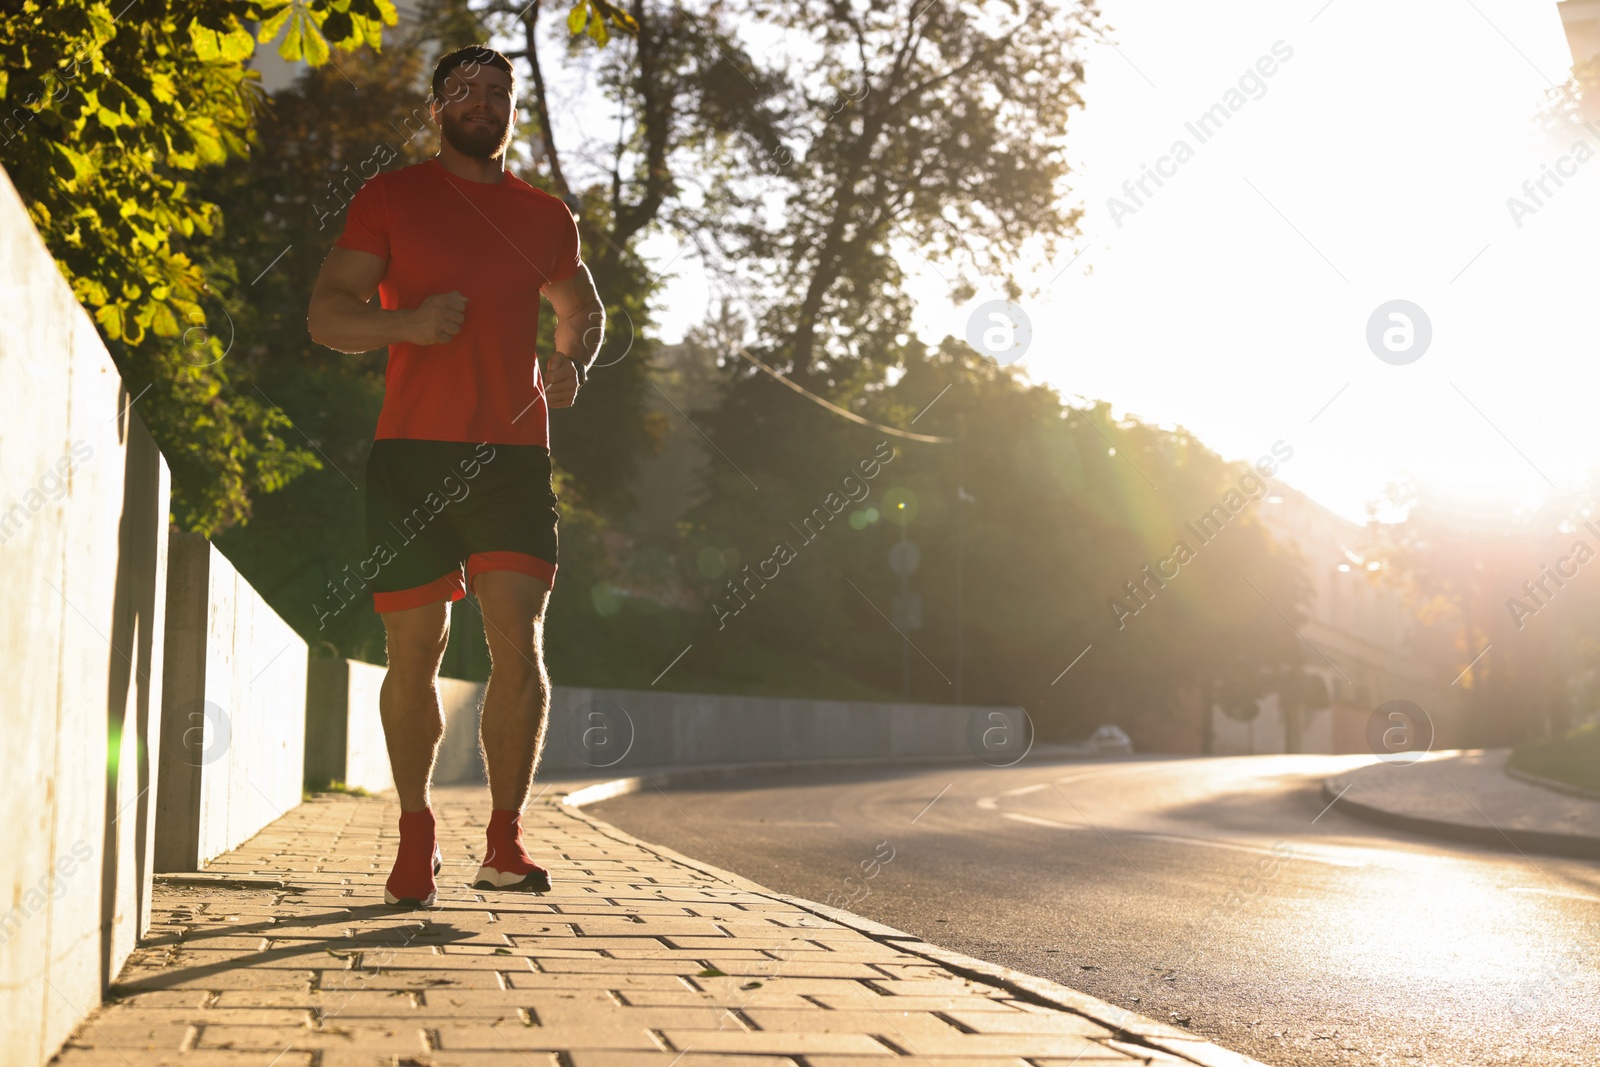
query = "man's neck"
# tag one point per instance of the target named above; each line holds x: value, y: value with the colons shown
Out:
x: 487, y: 171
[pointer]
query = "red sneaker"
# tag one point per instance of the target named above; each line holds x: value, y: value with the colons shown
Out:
x: 416, y: 861
x: 506, y: 864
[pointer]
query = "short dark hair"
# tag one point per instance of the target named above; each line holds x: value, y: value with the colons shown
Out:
x: 475, y: 55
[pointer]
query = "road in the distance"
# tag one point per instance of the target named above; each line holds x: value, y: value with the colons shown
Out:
x: 1208, y: 892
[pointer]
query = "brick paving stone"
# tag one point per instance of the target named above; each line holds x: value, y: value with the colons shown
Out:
x: 141, y: 979
x: 458, y: 1038
x: 708, y: 955
x: 396, y: 1037
x: 973, y: 1003
x: 609, y: 980
x: 994, y: 1022
x: 323, y: 1002
x: 435, y: 1058
x: 609, y: 970
x: 661, y: 998
x: 923, y: 987
x: 131, y: 1057
x: 899, y: 1026
x: 691, y: 1058
x: 608, y: 966
x: 963, y: 1061
x: 800, y: 1043
x: 165, y: 998
x: 408, y: 979
x: 782, y: 983
x: 746, y: 941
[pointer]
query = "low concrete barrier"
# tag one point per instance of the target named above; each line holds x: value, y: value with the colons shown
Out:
x: 83, y: 537
x: 344, y: 733
x: 626, y: 728
x: 597, y: 728
x: 594, y: 729
x: 233, y: 710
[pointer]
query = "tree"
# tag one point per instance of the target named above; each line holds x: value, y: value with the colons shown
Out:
x: 113, y: 110
x: 282, y: 208
x: 1064, y: 506
x: 684, y: 87
x: 1507, y: 609
x: 929, y: 131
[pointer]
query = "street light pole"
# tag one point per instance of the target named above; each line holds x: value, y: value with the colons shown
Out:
x: 905, y: 643
x: 961, y: 492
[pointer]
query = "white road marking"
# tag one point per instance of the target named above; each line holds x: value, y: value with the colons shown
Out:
x: 1299, y: 853
x: 1554, y: 893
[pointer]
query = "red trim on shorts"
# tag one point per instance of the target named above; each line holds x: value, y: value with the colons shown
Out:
x: 448, y: 588
x: 521, y: 562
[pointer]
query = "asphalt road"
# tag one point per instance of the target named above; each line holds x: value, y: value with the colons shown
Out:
x: 1214, y: 893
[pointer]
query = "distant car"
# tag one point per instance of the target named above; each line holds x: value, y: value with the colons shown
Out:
x: 1108, y: 740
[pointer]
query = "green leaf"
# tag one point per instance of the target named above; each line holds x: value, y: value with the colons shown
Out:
x: 164, y: 322
x: 290, y: 48
x: 273, y: 23
x: 82, y: 165
x: 578, y: 16
x: 210, y: 148
x: 304, y: 40
x: 207, y: 43
x: 109, y: 318
x: 238, y: 45
x: 616, y: 16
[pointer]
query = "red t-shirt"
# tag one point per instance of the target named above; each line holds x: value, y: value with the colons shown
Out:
x: 498, y: 245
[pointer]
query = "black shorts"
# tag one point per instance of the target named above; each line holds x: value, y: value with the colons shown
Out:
x: 439, y: 513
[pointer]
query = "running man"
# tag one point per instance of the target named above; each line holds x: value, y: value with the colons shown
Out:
x: 459, y: 495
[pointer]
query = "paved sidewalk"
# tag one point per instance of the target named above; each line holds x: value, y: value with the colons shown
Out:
x: 1468, y: 796
x: 282, y: 954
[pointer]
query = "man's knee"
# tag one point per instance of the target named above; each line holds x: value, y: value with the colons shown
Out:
x: 519, y: 666
x: 416, y: 641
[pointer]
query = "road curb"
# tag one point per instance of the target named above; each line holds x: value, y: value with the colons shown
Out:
x: 1579, y: 846
x: 1553, y: 785
x: 668, y: 775
x: 1130, y: 1027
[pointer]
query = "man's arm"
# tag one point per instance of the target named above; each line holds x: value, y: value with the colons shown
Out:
x: 341, y: 318
x: 580, y: 327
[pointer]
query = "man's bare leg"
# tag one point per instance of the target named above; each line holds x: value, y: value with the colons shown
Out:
x: 516, y: 708
x: 413, y: 722
x: 413, y: 725
x: 516, y: 702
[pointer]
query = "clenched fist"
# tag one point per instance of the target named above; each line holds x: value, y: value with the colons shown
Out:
x: 437, y: 319
x: 560, y: 381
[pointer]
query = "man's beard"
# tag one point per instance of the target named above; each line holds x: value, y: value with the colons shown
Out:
x: 474, y: 141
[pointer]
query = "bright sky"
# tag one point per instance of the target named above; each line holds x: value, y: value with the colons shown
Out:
x: 1375, y: 166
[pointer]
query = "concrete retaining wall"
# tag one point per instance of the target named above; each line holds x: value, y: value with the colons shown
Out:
x: 603, y: 728
x: 83, y: 518
x: 233, y: 710
x: 592, y: 728
x: 624, y: 728
x: 344, y: 733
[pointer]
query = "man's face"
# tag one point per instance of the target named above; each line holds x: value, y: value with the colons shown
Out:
x: 475, y: 110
